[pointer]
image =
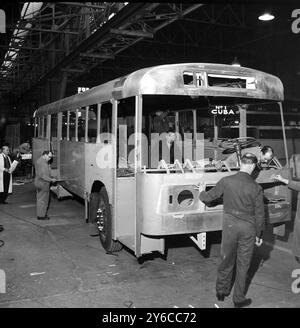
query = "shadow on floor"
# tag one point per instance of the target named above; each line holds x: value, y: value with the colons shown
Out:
x: 261, y: 254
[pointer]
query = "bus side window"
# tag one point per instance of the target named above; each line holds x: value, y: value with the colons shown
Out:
x: 35, y: 127
x: 53, y: 138
x: 40, y: 127
x: 45, y: 127
x: 53, y: 135
x: 81, y: 124
x: 92, y: 123
x: 125, y: 134
x: 64, y: 126
x: 72, y: 126
x: 105, y: 123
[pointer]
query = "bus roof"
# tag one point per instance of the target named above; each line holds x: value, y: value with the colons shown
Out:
x: 189, y: 79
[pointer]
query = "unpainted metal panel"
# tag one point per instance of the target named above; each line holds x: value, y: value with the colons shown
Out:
x: 153, y: 203
x: 72, y: 166
x: 168, y: 80
x: 99, y: 167
x: 149, y: 245
x: 126, y: 210
x: 160, y: 211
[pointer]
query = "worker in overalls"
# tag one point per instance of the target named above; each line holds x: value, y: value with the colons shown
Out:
x: 42, y: 182
x: 243, y: 224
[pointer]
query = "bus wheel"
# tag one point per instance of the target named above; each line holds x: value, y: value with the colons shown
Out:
x: 104, y: 223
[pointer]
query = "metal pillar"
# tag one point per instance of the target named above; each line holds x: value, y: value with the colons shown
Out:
x: 284, y: 136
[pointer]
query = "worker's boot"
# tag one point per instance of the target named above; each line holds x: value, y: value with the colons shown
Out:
x: 244, y: 303
x: 43, y: 218
x: 220, y: 297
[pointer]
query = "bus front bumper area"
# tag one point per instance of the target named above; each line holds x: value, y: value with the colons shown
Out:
x: 168, y: 204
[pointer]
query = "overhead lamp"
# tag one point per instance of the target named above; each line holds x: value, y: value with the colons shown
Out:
x: 266, y: 17
x: 235, y: 62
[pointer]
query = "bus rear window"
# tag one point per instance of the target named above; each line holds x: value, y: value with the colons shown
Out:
x: 225, y: 81
x: 188, y: 78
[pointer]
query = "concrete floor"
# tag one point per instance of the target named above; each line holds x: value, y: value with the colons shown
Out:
x: 56, y: 263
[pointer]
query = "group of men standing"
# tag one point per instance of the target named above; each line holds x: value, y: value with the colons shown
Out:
x: 42, y: 179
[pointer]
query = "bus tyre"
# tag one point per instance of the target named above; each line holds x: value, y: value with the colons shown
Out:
x: 104, y: 222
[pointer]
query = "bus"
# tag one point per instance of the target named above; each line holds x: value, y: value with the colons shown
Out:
x: 134, y: 148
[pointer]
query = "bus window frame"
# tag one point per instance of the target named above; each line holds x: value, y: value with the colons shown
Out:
x: 48, y: 128
x: 68, y: 125
x: 82, y: 135
x: 42, y: 127
x: 99, y: 106
x: 59, y: 126
x: 138, y: 133
x: 38, y: 127
x: 51, y: 117
x: 34, y: 127
x: 41, y: 132
x: 76, y: 125
x: 45, y: 126
x: 99, y: 120
x: 86, y: 138
x: 71, y: 136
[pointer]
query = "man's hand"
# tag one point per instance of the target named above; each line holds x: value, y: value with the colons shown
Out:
x: 278, y: 177
x: 200, y: 186
x: 258, y: 241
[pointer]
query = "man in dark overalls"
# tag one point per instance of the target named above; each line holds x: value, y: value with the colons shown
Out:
x: 42, y: 182
x: 243, y: 224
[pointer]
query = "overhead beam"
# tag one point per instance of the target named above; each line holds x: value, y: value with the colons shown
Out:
x: 93, y: 55
x: 179, y: 15
x: 213, y: 22
x: 81, y: 4
x: 73, y: 70
x: 43, y: 30
x: 122, y: 17
x: 31, y: 48
x: 132, y: 33
x: 159, y: 27
x: 50, y: 18
x: 116, y: 25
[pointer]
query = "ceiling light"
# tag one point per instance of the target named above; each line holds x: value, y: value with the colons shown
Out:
x: 266, y: 17
x: 235, y: 62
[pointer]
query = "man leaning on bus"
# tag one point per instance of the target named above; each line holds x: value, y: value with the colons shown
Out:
x: 264, y: 155
x: 243, y: 224
x: 42, y: 182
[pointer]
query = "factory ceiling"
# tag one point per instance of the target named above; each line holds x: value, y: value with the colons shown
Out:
x: 93, y: 42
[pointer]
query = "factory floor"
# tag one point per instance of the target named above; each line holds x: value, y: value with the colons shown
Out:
x: 57, y: 263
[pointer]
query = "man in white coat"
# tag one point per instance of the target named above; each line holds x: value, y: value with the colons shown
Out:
x: 6, y: 170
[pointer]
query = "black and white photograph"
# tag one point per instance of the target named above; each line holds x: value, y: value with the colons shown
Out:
x: 149, y: 157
